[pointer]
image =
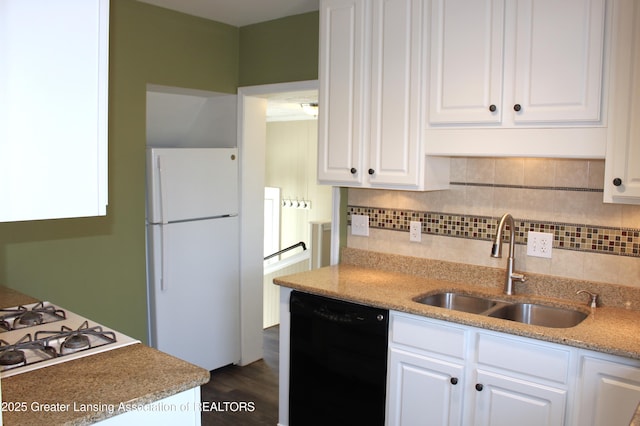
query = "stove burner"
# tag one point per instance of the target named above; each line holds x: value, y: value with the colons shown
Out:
x: 23, y: 317
x: 30, y: 318
x: 71, y: 341
x: 7, y: 314
x: 76, y: 341
x: 24, y: 351
x: 12, y: 357
x: 59, y: 337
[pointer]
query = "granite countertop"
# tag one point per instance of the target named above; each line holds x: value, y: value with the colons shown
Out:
x: 133, y: 375
x: 370, y: 279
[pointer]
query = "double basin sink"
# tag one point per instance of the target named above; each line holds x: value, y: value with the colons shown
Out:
x: 526, y: 313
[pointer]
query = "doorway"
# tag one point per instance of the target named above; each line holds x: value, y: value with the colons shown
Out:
x: 253, y: 131
x: 291, y: 162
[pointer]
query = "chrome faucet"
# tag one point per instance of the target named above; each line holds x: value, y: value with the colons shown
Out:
x: 496, y: 251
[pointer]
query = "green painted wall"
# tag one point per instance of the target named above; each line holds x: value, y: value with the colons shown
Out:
x: 96, y: 266
x: 279, y: 51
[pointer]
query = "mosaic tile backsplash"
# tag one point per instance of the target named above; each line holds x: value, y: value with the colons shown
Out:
x: 567, y: 236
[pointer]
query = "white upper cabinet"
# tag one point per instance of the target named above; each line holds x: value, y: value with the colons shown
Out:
x: 395, y: 150
x: 559, y: 58
x: 342, y: 89
x: 518, y: 78
x: 53, y: 108
x: 467, y: 57
x: 622, y: 165
x: 372, y: 95
x: 405, y: 81
x: 509, y: 63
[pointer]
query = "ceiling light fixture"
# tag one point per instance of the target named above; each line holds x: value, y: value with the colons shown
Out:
x: 310, y: 108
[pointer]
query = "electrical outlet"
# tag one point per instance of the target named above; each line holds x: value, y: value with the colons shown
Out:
x: 539, y: 244
x: 360, y: 225
x: 415, y: 231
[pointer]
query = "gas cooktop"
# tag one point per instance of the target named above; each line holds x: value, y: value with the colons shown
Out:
x: 42, y: 334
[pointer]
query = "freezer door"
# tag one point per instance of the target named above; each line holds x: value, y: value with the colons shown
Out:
x: 194, y: 291
x: 191, y: 183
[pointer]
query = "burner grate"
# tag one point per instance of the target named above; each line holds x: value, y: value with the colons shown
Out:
x: 70, y: 341
x: 24, y: 351
x: 23, y: 317
x: 61, y: 336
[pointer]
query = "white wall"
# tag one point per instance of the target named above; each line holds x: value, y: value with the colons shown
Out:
x: 292, y: 152
x: 187, y: 118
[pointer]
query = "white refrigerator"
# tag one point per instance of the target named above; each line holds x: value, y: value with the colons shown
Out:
x: 193, y: 254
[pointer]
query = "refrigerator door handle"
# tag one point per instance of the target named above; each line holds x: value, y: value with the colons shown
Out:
x: 163, y: 193
x: 164, y: 281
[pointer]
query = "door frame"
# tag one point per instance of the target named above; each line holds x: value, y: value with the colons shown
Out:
x: 252, y: 107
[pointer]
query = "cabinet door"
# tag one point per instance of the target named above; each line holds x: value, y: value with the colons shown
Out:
x: 342, y: 94
x: 421, y: 390
x: 396, y: 57
x: 609, y: 393
x: 622, y: 166
x: 53, y: 108
x: 501, y: 400
x: 559, y: 60
x: 466, y: 61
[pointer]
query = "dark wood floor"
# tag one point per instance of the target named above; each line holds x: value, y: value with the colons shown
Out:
x: 246, y: 395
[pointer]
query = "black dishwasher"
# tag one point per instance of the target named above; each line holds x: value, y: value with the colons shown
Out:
x: 338, y: 362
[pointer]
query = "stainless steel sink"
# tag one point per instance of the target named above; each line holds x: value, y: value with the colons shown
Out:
x: 542, y: 315
x: 458, y: 302
x: 526, y: 313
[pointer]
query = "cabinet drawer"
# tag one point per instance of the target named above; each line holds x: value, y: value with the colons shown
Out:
x: 545, y: 361
x: 428, y: 335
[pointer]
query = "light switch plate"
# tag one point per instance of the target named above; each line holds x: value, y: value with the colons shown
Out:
x: 539, y: 244
x: 360, y: 225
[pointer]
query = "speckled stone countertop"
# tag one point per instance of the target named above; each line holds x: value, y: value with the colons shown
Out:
x: 134, y: 375
x: 392, y: 282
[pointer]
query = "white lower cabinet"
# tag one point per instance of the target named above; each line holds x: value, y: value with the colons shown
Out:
x: 504, y: 400
x: 448, y: 374
x: 609, y: 390
x: 426, y: 373
x: 519, y: 378
x: 424, y: 390
x: 441, y: 373
x: 180, y: 409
